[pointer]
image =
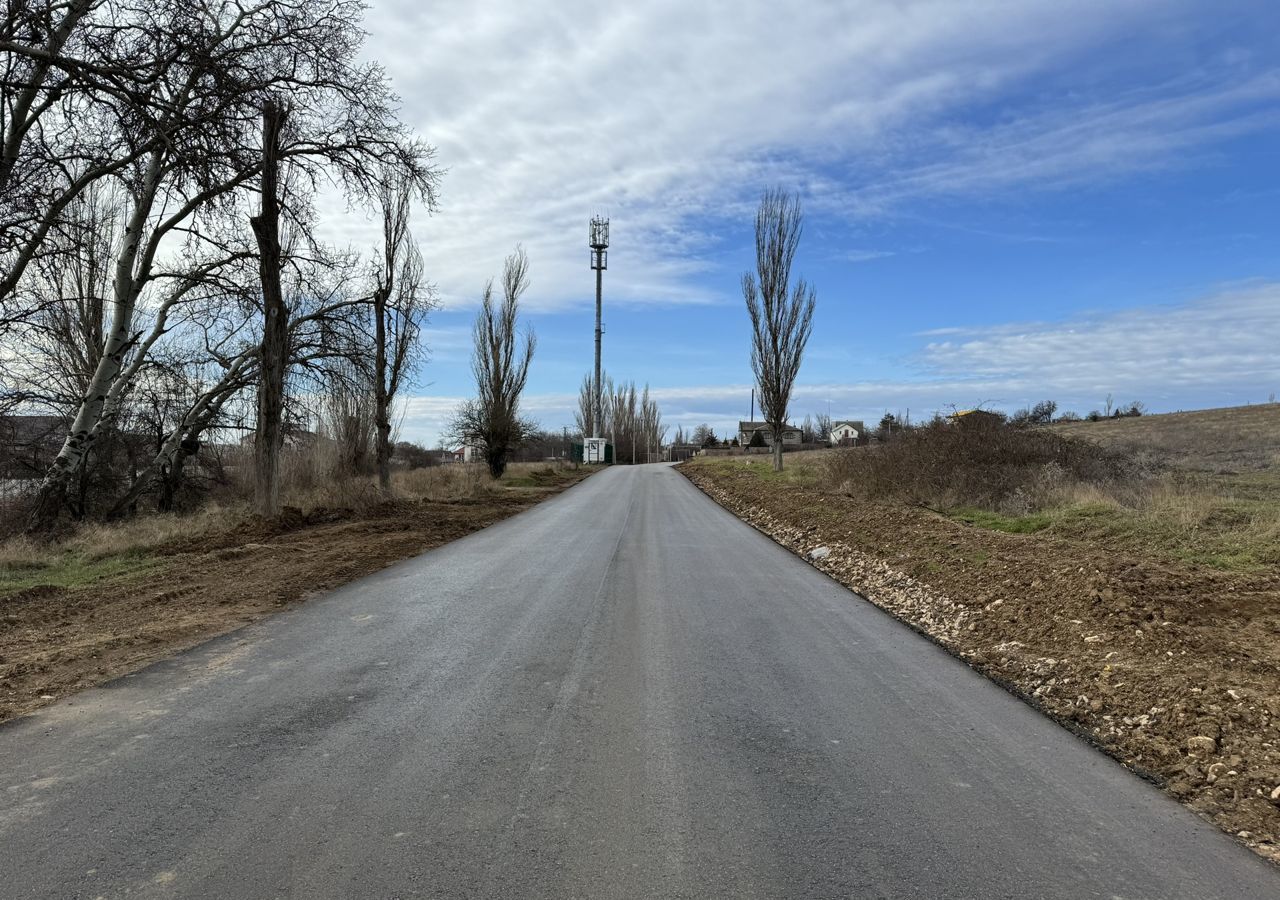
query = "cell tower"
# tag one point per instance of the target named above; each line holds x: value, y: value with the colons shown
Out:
x: 599, y: 243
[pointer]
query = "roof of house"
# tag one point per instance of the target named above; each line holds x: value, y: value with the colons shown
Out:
x: 761, y: 426
x: 852, y: 423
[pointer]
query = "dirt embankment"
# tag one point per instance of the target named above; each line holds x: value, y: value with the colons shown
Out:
x: 54, y: 641
x: 1173, y: 670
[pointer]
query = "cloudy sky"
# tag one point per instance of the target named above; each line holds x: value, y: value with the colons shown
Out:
x: 1006, y: 200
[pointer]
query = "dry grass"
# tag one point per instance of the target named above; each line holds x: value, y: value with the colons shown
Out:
x: 981, y: 463
x: 96, y: 551
x: 1216, y: 503
x: 1233, y: 439
x: 1200, y: 487
x: 460, y: 481
x: 1228, y: 522
x: 95, y: 541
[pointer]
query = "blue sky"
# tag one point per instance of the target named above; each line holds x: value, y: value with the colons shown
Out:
x: 1005, y: 201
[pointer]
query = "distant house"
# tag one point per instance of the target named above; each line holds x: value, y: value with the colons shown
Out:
x: 466, y: 453
x: 848, y: 433
x: 747, y: 430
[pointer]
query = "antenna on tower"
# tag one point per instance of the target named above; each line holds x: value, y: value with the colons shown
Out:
x: 598, y: 241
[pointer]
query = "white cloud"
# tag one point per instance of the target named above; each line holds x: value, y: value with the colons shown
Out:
x: 865, y: 255
x: 1228, y: 339
x: 672, y: 115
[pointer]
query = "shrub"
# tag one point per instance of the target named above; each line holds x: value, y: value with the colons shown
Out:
x: 415, y: 456
x: 983, y: 463
x: 1040, y: 414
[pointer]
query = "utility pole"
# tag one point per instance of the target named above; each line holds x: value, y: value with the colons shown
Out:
x: 599, y: 243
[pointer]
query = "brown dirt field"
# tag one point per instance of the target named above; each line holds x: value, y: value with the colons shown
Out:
x: 54, y: 641
x: 1173, y: 669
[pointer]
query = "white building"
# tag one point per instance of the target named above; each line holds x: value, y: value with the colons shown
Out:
x: 847, y: 433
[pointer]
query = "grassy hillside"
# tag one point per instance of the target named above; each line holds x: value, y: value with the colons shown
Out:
x: 1229, y: 440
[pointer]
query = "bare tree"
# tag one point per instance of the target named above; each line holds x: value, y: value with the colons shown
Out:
x: 58, y: 135
x: 57, y: 347
x: 652, y: 431
x: 598, y: 400
x: 584, y: 415
x: 500, y: 363
x: 823, y: 425
x: 622, y: 403
x: 807, y: 435
x: 94, y: 89
x: 631, y: 418
x: 33, y: 37
x: 326, y: 342
x: 401, y: 302
x: 181, y: 440
x: 274, y: 354
x: 781, y: 314
x: 163, y: 99
x: 347, y: 416
x: 59, y: 352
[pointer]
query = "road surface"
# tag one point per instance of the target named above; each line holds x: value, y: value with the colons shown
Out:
x: 624, y: 692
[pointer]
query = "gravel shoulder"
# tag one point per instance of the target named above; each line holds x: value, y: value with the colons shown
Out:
x: 1174, y: 670
x: 58, y: 640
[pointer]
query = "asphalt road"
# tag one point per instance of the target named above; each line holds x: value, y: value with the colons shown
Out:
x: 624, y: 692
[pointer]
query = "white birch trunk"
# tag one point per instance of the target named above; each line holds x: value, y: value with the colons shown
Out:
x: 83, y: 429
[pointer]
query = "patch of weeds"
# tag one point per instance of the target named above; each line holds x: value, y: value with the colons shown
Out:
x: 1227, y: 561
x: 924, y: 568
x: 993, y: 521
x: 795, y: 474
x: 72, y: 571
x: 1218, y: 536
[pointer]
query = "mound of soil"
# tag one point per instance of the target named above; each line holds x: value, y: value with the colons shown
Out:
x: 54, y: 641
x: 1173, y: 670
